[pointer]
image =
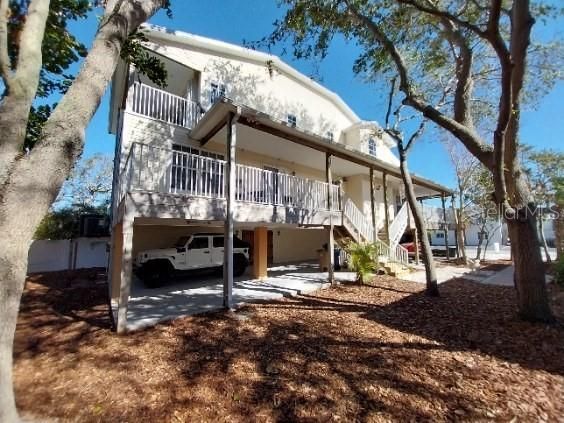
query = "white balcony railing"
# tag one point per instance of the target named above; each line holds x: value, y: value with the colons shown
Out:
x: 156, y: 169
x: 159, y: 104
x: 359, y: 221
x: 261, y: 186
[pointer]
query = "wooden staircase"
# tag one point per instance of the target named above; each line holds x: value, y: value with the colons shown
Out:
x: 358, y: 228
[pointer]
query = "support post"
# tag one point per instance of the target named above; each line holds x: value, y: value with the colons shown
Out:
x: 260, y: 253
x: 373, y: 205
x: 445, y: 226
x: 415, y: 236
x: 125, y: 274
x: 456, y: 234
x: 386, y: 207
x: 229, y: 181
x: 331, y: 240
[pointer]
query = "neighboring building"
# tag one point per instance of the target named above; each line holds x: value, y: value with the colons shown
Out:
x: 292, y: 139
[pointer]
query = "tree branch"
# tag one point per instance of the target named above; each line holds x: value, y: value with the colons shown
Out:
x: 464, y: 84
x: 390, y: 98
x: 415, y: 135
x: 466, y: 135
x: 62, y: 138
x: 29, y: 55
x: 15, y: 107
x: 521, y: 23
x: 431, y: 10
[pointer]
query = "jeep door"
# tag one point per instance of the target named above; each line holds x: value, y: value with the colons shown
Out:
x: 199, y: 253
x: 217, y: 250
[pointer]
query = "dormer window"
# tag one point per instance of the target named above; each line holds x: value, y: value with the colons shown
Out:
x: 372, y: 147
x: 217, y: 91
x: 292, y: 120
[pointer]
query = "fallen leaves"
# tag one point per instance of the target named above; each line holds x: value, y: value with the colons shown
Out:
x: 384, y: 352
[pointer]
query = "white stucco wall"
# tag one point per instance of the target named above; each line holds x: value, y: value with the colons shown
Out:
x: 297, y: 244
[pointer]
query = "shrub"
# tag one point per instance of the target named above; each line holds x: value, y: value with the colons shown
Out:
x: 362, y: 259
x: 559, y: 272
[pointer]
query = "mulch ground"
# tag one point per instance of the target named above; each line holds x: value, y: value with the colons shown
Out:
x: 384, y: 352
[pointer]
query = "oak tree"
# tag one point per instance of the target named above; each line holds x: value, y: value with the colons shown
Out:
x: 35, y: 51
x: 485, y: 48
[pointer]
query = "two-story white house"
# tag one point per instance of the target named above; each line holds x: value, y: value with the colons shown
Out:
x: 240, y: 142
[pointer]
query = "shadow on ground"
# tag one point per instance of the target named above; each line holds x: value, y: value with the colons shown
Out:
x: 353, y: 353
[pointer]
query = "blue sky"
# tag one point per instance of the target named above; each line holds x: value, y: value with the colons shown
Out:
x: 238, y: 20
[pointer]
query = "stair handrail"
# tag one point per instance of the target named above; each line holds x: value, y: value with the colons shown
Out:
x: 398, y: 254
x: 396, y: 226
x: 357, y: 218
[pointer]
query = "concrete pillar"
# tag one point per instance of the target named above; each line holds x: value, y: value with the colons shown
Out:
x: 445, y: 226
x: 373, y: 205
x: 455, y: 217
x: 331, y: 239
x: 125, y: 272
x: 116, y: 252
x: 229, y: 181
x: 260, y: 253
x: 386, y: 207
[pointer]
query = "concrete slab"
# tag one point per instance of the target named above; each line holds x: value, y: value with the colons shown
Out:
x: 444, y: 273
x: 504, y: 253
x: 502, y: 278
x: 198, y: 294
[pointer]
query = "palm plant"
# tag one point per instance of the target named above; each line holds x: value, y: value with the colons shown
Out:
x: 362, y: 259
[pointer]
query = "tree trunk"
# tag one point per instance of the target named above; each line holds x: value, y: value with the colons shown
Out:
x: 12, y: 272
x: 543, y: 239
x: 559, y: 232
x: 33, y: 182
x: 430, y: 273
x: 460, y: 229
x: 487, y: 245
x: 529, y: 278
x: 479, y: 249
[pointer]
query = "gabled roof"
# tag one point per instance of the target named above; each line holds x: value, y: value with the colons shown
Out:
x: 221, y: 47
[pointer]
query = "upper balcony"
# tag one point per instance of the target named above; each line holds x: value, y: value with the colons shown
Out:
x: 162, y: 105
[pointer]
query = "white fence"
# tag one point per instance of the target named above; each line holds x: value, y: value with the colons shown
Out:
x: 67, y: 254
x: 162, y: 105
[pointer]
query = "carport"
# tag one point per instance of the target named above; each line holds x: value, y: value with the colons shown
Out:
x: 204, y: 293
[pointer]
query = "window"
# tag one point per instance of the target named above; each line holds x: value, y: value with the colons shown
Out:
x: 218, y: 242
x: 292, y: 120
x: 330, y: 135
x: 199, y: 243
x: 440, y: 235
x: 217, y: 91
x: 372, y: 147
x: 190, y: 172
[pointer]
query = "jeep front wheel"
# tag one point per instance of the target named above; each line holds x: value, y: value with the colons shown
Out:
x: 156, y: 273
x: 239, y: 264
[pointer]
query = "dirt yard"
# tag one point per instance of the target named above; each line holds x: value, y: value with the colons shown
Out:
x: 372, y: 353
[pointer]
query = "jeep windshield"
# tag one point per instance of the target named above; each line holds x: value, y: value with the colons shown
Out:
x: 181, y: 241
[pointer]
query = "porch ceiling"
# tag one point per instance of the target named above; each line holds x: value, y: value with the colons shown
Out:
x: 263, y: 134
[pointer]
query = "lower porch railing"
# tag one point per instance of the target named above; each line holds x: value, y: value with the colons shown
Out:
x: 156, y: 169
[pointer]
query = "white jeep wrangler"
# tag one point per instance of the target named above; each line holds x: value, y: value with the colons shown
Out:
x: 198, y: 251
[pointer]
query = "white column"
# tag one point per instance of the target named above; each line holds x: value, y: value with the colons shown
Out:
x: 331, y: 240
x: 126, y: 274
x: 230, y: 185
x: 373, y: 206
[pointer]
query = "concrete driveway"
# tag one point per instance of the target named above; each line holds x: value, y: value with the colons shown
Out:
x: 201, y: 293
